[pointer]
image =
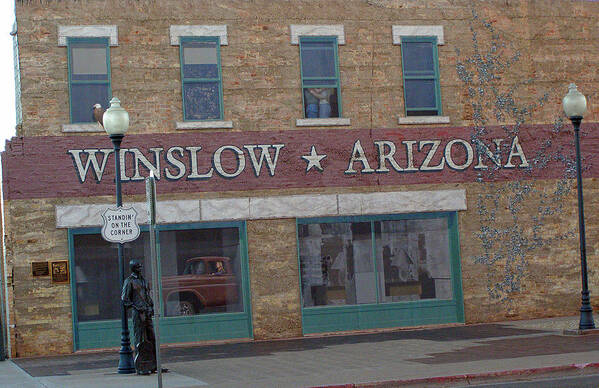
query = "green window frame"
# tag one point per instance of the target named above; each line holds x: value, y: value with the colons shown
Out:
x: 85, y: 90
x: 419, y: 79
x: 187, y: 80
x: 91, y: 334
x: 380, y: 314
x: 331, y: 81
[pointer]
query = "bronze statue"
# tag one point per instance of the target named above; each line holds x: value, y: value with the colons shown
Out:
x: 136, y: 295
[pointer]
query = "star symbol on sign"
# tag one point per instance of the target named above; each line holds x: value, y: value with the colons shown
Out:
x: 313, y: 160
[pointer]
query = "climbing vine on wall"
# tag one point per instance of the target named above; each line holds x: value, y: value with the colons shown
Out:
x: 515, y: 217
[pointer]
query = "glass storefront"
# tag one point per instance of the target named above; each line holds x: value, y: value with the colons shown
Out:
x: 367, y: 269
x: 202, y: 272
x: 97, y: 274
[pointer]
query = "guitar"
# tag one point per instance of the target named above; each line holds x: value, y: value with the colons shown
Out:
x: 145, y: 359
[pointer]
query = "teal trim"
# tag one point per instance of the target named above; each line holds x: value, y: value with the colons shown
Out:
x: 375, y: 261
x: 299, y: 269
x: 217, y: 326
x: 381, y: 217
x: 388, y: 314
x: 245, y: 274
x: 336, y: 82
x: 73, y: 290
x: 422, y: 75
x: 456, y: 267
x: 185, y: 80
x: 71, y: 41
x: 104, y: 334
x: 362, y: 317
x: 159, y: 265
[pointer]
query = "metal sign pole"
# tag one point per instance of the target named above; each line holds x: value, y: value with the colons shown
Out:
x: 151, y: 200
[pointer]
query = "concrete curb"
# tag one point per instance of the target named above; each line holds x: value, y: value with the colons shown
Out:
x: 466, y: 377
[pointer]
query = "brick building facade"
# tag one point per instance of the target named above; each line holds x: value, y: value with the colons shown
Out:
x: 431, y: 184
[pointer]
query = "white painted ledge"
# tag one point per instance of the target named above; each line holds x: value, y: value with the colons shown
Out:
x: 177, y: 31
x: 91, y: 31
x: 82, y: 127
x: 297, y: 30
x: 330, y: 122
x: 424, y: 120
x: 203, y: 124
x: 401, y: 202
x: 284, y: 206
x: 168, y: 212
x: 399, y: 31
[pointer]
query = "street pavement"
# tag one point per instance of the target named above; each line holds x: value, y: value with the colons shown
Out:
x: 436, y: 356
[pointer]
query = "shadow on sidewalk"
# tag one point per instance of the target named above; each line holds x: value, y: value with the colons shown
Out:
x: 62, y: 365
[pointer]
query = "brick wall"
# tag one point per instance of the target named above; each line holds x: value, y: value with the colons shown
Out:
x: 261, y: 85
x: 261, y: 75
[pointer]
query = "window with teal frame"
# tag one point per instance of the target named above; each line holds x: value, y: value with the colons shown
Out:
x: 204, y: 282
x: 319, y: 63
x: 201, y: 78
x: 89, y: 77
x: 420, y: 63
x: 364, y: 272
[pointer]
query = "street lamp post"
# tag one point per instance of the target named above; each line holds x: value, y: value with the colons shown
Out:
x: 116, y: 122
x: 575, y: 106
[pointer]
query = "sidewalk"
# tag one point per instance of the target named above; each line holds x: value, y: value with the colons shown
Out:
x: 423, y: 357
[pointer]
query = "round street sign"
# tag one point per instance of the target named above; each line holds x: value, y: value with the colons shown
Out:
x: 120, y: 225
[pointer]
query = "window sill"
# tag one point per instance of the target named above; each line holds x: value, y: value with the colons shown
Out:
x: 82, y: 127
x: 335, y: 121
x: 424, y: 120
x: 203, y: 124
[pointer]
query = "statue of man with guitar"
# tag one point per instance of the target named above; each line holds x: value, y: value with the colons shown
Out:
x: 136, y: 296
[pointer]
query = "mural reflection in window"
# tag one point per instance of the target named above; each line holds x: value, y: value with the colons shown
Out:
x: 338, y: 268
x: 201, y: 101
x: 201, y: 271
x: 413, y: 259
x: 96, y: 274
x: 336, y: 264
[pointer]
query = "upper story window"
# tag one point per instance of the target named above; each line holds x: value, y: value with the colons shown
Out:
x: 420, y: 65
x: 421, y: 76
x: 319, y: 66
x: 320, y: 77
x: 89, y: 76
x: 201, y: 75
x: 88, y: 52
x: 201, y: 78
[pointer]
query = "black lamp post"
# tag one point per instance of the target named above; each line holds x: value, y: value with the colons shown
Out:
x: 575, y: 106
x: 116, y: 122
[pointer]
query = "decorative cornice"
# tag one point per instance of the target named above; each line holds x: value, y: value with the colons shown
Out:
x: 177, y: 31
x: 399, y: 31
x: 91, y: 31
x: 297, y: 30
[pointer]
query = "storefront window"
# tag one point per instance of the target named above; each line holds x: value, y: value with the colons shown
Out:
x: 97, y: 274
x: 200, y: 268
x: 336, y: 264
x: 350, y: 263
x: 201, y: 271
x: 413, y: 259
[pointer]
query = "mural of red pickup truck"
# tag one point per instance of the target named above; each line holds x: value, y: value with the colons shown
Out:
x: 208, y: 284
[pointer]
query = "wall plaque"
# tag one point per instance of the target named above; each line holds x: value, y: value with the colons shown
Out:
x: 40, y: 268
x: 60, y: 271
